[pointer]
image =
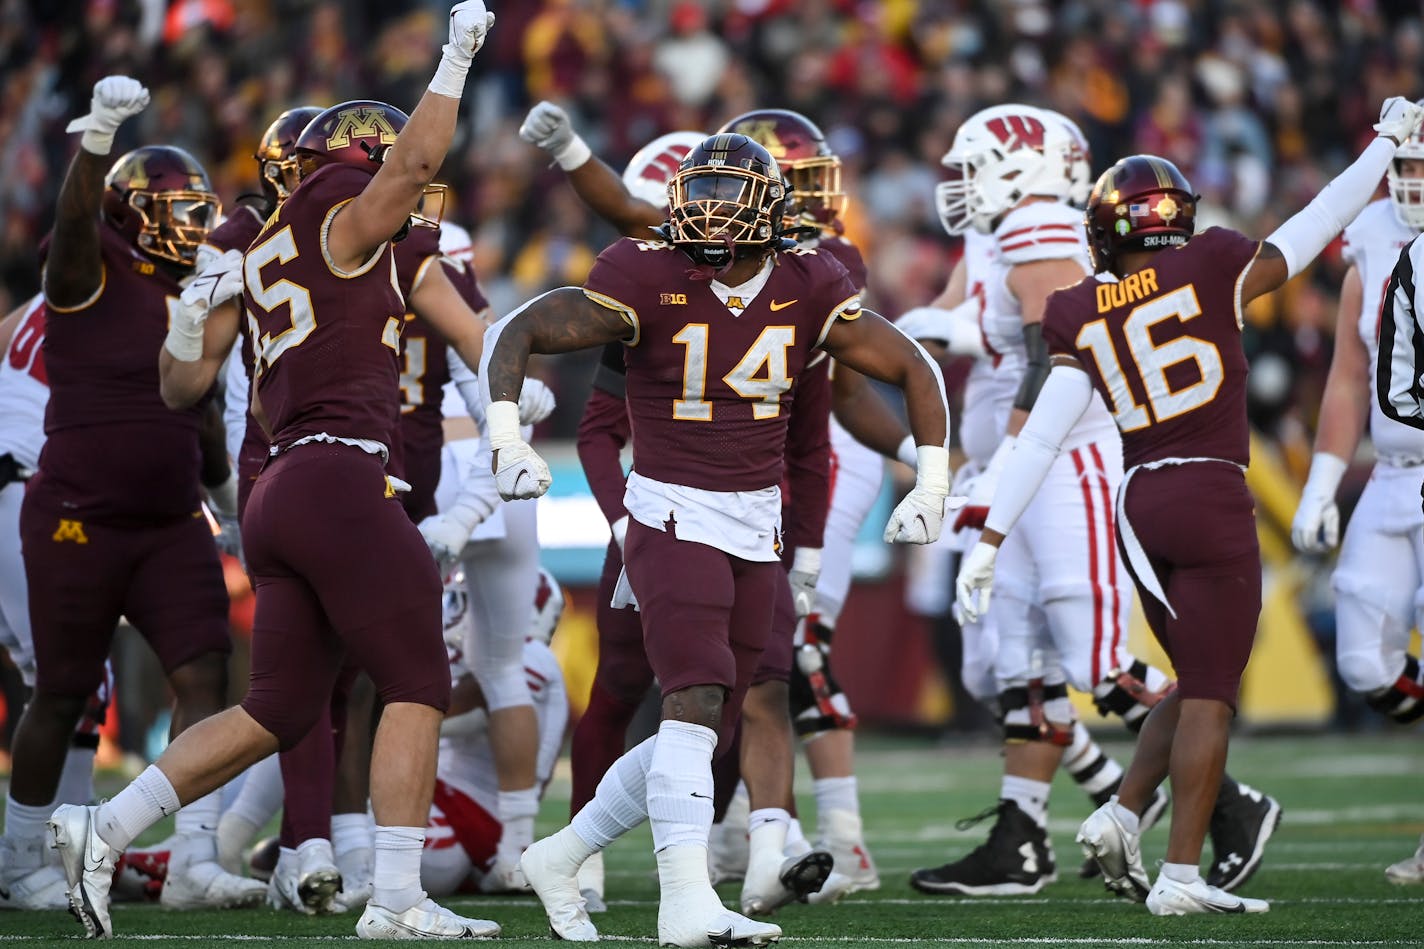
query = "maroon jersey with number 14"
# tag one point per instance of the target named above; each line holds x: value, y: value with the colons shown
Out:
x: 1163, y: 348
x: 336, y: 374
x: 709, y: 392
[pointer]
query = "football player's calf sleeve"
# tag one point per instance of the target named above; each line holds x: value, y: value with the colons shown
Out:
x: 621, y: 802
x: 1302, y: 237
x: 680, y: 784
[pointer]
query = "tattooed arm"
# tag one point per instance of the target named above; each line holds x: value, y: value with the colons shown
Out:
x: 74, y: 270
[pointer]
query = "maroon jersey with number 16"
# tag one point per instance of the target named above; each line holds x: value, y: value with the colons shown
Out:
x: 336, y: 374
x: 709, y: 392
x: 1163, y: 348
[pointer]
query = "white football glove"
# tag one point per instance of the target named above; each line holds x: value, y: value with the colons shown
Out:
x: 1399, y: 118
x: 975, y: 581
x: 536, y: 402
x: 218, y: 282
x: 919, y: 518
x: 115, y: 98
x: 958, y: 328
x: 805, y: 571
x: 470, y: 23
x: 519, y: 472
x: 1316, y: 527
x: 548, y: 127
x: 445, y: 535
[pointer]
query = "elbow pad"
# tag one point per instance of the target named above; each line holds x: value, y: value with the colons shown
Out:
x: 1036, y: 373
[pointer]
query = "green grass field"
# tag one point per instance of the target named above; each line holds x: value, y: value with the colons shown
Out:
x: 1352, y: 805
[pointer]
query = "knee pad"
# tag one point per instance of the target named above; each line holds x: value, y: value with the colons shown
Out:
x: 1038, y: 710
x: 818, y: 704
x: 1402, y: 701
x: 504, y: 686
x: 1133, y: 693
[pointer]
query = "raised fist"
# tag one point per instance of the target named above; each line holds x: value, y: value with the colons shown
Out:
x: 115, y: 98
x: 1399, y: 119
x: 470, y: 23
x: 548, y: 127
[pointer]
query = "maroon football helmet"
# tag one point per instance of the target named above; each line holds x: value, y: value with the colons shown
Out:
x: 359, y: 133
x: 160, y: 198
x: 275, y: 156
x: 726, y: 200
x: 1141, y: 203
x: 812, y: 170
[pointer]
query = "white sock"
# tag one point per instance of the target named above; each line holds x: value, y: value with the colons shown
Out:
x: 200, y: 817
x: 516, y: 812
x: 1031, y: 796
x: 350, y: 832
x: 1125, y: 817
x: 26, y: 822
x: 261, y: 794
x: 397, y: 872
x: 620, y: 802
x: 766, y: 840
x: 146, y: 801
x: 76, y: 781
x: 835, y: 794
x: 768, y: 815
x: 680, y: 785
x: 1180, y: 872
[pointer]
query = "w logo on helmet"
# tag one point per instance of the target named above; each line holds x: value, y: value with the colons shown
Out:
x: 1017, y: 131
x: 361, y: 122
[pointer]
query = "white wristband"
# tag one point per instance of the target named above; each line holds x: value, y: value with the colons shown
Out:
x: 184, y: 340
x: 806, y: 560
x: 906, y: 452
x: 449, y: 78
x: 1326, y: 473
x: 97, y: 143
x: 502, y: 424
x: 574, y: 154
x: 932, y: 470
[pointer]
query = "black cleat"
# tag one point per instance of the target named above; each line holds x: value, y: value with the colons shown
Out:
x: 1241, y: 825
x: 1016, y: 859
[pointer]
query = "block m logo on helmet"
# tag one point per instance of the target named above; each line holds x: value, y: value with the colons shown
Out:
x: 1017, y: 131
x: 361, y: 122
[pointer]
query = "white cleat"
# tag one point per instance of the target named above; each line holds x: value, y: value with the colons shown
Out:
x: 554, y: 879
x: 1170, y: 898
x: 357, y: 883
x: 1117, y: 852
x: 1410, y: 870
x: 689, y: 912
x: 425, y: 920
x: 836, y: 886
x: 590, y: 884
x: 235, y: 834
x: 504, y: 878
x: 727, y: 852
x: 202, y: 884
x: 318, y: 879
x: 27, y: 879
x: 88, y: 866
x: 844, y: 838
x: 763, y: 892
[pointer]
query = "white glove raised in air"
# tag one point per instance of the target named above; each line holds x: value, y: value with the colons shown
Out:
x: 975, y: 581
x: 470, y: 23
x: 919, y: 518
x: 1399, y: 119
x: 1316, y: 527
x: 548, y: 127
x: 805, y: 571
x: 115, y: 98
x: 519, y: 472
x: 536, y: 402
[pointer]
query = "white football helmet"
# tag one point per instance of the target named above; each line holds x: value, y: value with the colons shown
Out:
x: 650, y: 170
x: 1408, y: 193
x: 456, y: 242
x: 1080, y: 162
x: 456, y: 601
x: 999, y: 157
x: 548, y: 608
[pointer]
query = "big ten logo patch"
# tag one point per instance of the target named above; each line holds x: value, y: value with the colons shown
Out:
x: 673, y: 299
x: 71, y: 531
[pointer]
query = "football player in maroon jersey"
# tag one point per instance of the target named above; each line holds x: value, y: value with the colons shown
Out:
x: 108, y: 530
x: 1156, y: 333
x: 717, y: 321
x: 337, y: 564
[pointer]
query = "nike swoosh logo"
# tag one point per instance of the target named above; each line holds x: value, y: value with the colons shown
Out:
x: 705, y: 797
x: 780, y: 306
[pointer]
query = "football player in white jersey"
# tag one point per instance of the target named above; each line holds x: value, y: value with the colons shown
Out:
x: 1064, y: 616
x: 464, y: 831
x: 1379, y: 579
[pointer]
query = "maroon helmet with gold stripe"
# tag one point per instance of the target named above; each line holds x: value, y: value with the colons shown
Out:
x: 1141, y: 203
x: 160, y: 198
x: 812, y: 170
x: 355, y: 133
x: 275, y: 158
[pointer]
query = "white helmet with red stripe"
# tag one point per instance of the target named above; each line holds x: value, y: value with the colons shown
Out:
x: 1407, y: 192
x: 999, y: 157
x: 548, y: 608
x: 650, y: 170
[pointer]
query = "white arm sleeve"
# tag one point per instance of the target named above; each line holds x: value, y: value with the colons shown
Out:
x: 1064, y: 398
x: 1301, y: 239
x: 468, y: 385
